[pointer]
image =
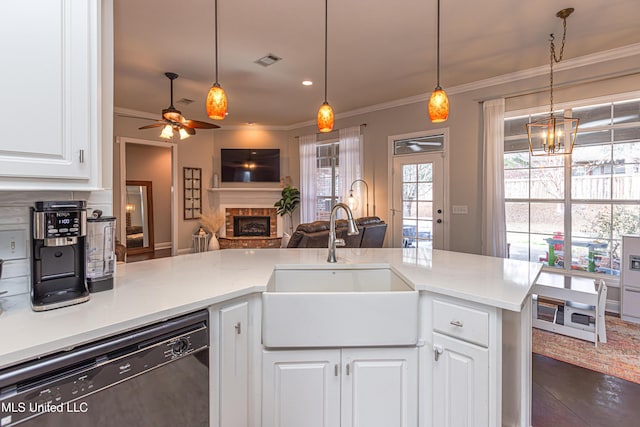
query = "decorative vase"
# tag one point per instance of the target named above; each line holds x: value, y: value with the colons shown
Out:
x: 214, y: 245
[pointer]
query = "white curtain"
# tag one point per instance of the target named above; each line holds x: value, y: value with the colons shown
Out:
x: 307, y: 178
x: 494, y: 233
x: 350, y: 159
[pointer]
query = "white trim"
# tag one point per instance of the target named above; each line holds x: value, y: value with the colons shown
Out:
x: 567, y: 64
x: 162, y: 245
x: 123, y: 141
x: 446, y: 172
x: 589, y: 102
x: 612, y: 306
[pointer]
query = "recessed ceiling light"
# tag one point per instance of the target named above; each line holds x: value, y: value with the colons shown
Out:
x: 307, y: 82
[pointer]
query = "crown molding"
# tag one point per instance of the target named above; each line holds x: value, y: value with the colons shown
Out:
x: 568, y: 64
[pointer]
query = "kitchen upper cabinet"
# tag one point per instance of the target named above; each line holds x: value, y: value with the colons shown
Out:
x: 355, y: 387
x: 460, y: 383
x: 50, y: 87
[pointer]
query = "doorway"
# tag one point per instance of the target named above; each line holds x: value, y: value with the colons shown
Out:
x: 155, y: 163
x: 418, y: 197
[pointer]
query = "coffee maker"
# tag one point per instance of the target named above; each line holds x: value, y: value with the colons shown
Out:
x: 58, y: 231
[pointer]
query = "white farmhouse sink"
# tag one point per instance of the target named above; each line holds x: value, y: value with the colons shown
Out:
x: 338, y: 308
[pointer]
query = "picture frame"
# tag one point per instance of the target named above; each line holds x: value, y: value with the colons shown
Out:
x: 192, y: 179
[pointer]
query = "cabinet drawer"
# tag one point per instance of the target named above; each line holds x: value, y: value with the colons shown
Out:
x: 465, y: 323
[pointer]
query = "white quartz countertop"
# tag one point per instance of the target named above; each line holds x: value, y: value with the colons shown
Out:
x: 150, y: 291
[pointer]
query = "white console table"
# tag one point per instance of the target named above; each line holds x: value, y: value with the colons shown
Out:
x: 571, y: 289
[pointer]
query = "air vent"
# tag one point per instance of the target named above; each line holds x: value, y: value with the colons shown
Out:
x: 267, y: 60
x: 185, y: 101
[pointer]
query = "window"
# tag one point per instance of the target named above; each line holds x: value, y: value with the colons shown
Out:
x: 571, y: 211
x: 327, y: 178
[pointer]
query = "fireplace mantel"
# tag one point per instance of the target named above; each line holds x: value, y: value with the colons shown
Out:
x: 245, y: 197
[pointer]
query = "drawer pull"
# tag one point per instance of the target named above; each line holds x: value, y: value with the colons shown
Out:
x: 457, y: 323
x: 635, y: 291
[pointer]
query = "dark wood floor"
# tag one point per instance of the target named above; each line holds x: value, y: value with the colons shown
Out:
x: 569, y: 396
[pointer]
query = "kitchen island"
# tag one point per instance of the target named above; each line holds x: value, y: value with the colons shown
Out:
x: 156, y: 290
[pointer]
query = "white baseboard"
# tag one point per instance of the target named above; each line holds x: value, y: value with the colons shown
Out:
x: 613, y: 306
x: 162, y: 245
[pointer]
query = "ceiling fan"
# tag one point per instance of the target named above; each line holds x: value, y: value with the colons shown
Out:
x: 173, y: 120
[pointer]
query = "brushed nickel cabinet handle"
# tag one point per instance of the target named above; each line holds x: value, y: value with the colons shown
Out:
x: 437, y: 351
x: 81, y: 156
x: 457, y: 323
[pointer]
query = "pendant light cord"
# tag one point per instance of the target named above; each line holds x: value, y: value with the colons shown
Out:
x: 216, y: 31
x: 326, y: 18
x: 554, y: 59
x: 438, y: 51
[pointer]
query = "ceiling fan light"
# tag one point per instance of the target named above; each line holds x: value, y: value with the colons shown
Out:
x: 183, y: 134
x: 325, y: 117
x: 216, y: 102
x: 438, y: 105
x: 167, y: 132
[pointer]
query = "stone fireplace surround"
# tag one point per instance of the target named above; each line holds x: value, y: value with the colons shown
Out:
x: 231, y: 213
x: 247, y: 201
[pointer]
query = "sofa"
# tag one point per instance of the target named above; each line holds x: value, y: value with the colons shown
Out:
x: 316, y: 234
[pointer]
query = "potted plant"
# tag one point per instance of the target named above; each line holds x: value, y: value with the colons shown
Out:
x: 288, y: 204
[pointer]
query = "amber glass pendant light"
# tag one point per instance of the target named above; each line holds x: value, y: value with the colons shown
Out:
x: 216, y: 98
x: 325, y: 113
x: 439, y: 102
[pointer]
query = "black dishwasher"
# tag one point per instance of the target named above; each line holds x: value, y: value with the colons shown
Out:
x: 153, y: 376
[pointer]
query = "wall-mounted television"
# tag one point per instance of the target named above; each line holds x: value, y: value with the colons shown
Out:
x: 250, y: 165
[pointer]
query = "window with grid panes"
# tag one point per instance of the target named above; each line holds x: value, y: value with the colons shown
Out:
x: 327, y: 178
x: 570, y: 211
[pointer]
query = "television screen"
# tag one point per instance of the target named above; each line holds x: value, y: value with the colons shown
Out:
x: 250, y: 165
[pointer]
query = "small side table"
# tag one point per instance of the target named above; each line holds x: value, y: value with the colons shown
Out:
x: 200, y: 242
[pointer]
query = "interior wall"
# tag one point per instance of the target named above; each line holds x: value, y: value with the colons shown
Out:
x: 151, y: 163
x: 465, y: 131
x: 195, y: 152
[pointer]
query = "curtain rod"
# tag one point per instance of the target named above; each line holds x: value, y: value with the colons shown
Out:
x: 335, y: 130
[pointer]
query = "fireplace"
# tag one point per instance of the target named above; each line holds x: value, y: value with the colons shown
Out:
x: 251, y: 225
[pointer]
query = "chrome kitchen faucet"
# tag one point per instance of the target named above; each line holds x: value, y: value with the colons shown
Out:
x: 333, y: 242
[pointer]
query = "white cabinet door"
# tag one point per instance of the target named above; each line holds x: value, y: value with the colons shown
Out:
x: 49, y: 86
x: 460, y: 383
x: 234, y: 365
x: 301, y: 388
x: 380, y: 387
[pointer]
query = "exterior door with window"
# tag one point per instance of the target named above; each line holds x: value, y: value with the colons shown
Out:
x: 417, y: 211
